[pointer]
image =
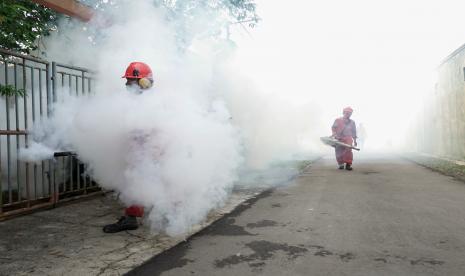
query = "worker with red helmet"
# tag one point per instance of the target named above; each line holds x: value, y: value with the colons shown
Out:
x: 139, y: 78
x: 344, y: 130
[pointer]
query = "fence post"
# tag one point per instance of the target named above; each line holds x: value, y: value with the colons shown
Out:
x: 26, y: 137
x: 48, y: 80
x: 1, y: 188
x: 55, y: 194
x: 54, y: 81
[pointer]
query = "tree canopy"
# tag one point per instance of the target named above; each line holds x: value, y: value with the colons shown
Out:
x: 22, y: 22
x: 233, y: 10
x: 214, y: 15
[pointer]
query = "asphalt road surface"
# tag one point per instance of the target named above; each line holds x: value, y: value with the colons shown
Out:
x: 387, y: 217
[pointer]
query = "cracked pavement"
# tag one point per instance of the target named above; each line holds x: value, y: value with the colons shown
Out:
x: 69, y: 240
x: 387, y: 217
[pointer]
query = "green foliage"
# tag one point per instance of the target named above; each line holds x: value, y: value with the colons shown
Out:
x: 10, y: 91
x: 198, y: 18
x: 231, y: 10
x: 444, y: 166
x: 242, y: 10
x: 22, y: 22
x: 208, y: 18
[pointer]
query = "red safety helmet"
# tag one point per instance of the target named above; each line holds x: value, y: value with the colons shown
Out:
x: 348, y: 109
x: 138, y: 70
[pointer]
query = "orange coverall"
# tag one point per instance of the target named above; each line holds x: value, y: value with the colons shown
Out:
x: 345, y: 131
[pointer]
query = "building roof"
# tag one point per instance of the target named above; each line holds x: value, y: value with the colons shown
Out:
x: 452, y: 55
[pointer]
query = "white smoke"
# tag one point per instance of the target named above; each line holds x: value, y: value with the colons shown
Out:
x: 158, y: 149
x: 274, y: 127
x: 176, y: 148
x: 172, y: 149
x: 36, y: 152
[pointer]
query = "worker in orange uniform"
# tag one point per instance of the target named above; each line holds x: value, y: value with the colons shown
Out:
x: 344, y: 130
x: 139, y: 78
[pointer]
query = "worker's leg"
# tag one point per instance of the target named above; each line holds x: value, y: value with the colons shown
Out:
x: 135, y: 211
x: 348, y: 158
x: 347, y: 155
x: 339, y: 157
x: 126, y: 222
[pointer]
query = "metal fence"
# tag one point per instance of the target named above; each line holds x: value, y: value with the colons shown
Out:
x: 26, y: 186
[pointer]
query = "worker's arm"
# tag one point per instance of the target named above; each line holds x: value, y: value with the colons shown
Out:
x: 354, y: 133
x: 334, y: 129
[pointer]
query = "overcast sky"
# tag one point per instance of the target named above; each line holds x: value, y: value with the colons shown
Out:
x: 377, y: 56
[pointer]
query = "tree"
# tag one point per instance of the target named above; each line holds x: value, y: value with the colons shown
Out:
x: 22, y: 23
x: 219, y: 15
x: 215, y: 15
x: 233, y: 10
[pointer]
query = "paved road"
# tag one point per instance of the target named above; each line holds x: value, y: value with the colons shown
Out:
x: 387, y: 217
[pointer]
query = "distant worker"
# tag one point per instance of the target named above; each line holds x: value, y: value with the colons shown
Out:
x: 344, y: 130
x: 139, y: 78
x: 362, y: 135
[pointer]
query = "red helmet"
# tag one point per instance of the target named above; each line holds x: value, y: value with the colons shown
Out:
x: 348, y: 109
x: 138, y: 70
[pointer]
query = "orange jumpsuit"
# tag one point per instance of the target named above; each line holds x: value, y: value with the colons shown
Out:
x: 345, y: 131
x: 134, y: 211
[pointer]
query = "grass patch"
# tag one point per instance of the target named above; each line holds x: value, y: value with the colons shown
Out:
x: 440, y: 165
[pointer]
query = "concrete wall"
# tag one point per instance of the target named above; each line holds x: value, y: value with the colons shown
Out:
x: 441, y: 129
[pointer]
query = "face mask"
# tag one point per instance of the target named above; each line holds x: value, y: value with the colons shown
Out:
x: 134, y: 88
